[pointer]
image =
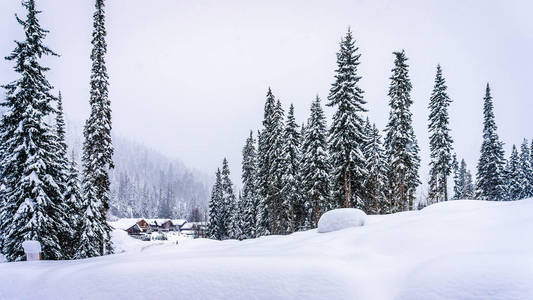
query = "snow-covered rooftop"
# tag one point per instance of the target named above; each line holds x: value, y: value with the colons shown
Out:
x: 124, y: 223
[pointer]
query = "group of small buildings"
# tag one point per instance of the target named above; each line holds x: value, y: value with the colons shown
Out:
x: 137, y: 227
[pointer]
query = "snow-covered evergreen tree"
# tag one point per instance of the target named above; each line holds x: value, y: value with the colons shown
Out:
x: 215, y: 222
x: 346, y: 136
x: 463, y: 187
x: 97, y: 149
x: 469, y: 189
x: 291, y: 158
x: 401, y: 145
x: 229, y: 215
x: 513, y: 188
x: 440, y: 141
x: 377, y: 173
x: 314, y: 168
x: 249, y: 187
x: 276, y: 141
x: 300, y: 214
x: 262, y: 225
x: 526, y: 188
x: 457, y: 188
x: 490, y: 169
x: 31, y: 175
x: 73, y: 202
x: 266, y: 179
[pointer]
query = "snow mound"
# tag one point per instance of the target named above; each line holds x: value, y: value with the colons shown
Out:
x: 2, y: 258
x: 341, y: 218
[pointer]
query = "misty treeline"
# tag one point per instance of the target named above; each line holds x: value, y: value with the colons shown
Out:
x: 43, y: 196
x: 292, y: 174
x: 146, y: 184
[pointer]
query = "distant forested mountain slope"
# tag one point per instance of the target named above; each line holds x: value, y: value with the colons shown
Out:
x: 148, y: 184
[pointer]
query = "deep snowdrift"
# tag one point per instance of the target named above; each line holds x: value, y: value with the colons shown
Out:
x: 454, y: 250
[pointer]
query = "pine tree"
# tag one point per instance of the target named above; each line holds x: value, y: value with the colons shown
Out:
x: 276, y: 140
x: 463, y: 187
x: 291, y: 159
x: 249, y: 187
x: 240, y: 212
x: 31, y: 174
x: 377, y: 172
x: 229, y: 205
x: 401, y: 145
x: 262, y: 225
x: 513, y: 188
x: 315, y: 167
x: 73, y: 202
x: 468, y: 192
x: 68, y: 231
x: 457, y: 182
x: 490, y: 178
x: 440, y: 141
x: 265, y: 162
x: 526, y: 189
x: 346, y: 136
x: 215, y: 222
x: 300, y: 214
x: 97, y: 149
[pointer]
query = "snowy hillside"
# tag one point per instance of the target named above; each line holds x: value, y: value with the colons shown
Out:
x: 146, y: 183
x: 454, y: 250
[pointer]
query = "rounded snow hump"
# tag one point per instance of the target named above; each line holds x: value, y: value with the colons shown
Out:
x: 341, y: 218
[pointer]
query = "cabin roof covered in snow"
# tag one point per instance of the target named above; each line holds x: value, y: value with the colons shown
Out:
x: 124, y: 223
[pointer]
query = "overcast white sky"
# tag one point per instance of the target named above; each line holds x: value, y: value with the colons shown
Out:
x: 189, y: 78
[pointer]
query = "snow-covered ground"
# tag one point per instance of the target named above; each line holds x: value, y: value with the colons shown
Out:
x: 453, y: 250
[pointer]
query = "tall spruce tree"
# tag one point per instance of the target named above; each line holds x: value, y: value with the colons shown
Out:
x: 512, y: 176
x: 68, y: 232
x: 276, y: 140
x: 215, y: 223
x: 300, y: 214
x: 526, y: 188
x: 401, y: 145
x: 377, y: 174
x: 315, y: 167
x: 249, y: 187
x: 229, y: 205
x: 264, y: 176
x: 440, y: 141
x: 290, y: 185
x: 97, y: 148
x: 490, y: 169
x: 30, y: 172
x: 346, y: 136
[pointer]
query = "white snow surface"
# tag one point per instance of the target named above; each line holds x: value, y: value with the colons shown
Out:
x: 455, y: 250
x: 341, y: 218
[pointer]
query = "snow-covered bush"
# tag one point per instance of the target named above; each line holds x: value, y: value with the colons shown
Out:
x: 341, y: 218
x: 2, y: 258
